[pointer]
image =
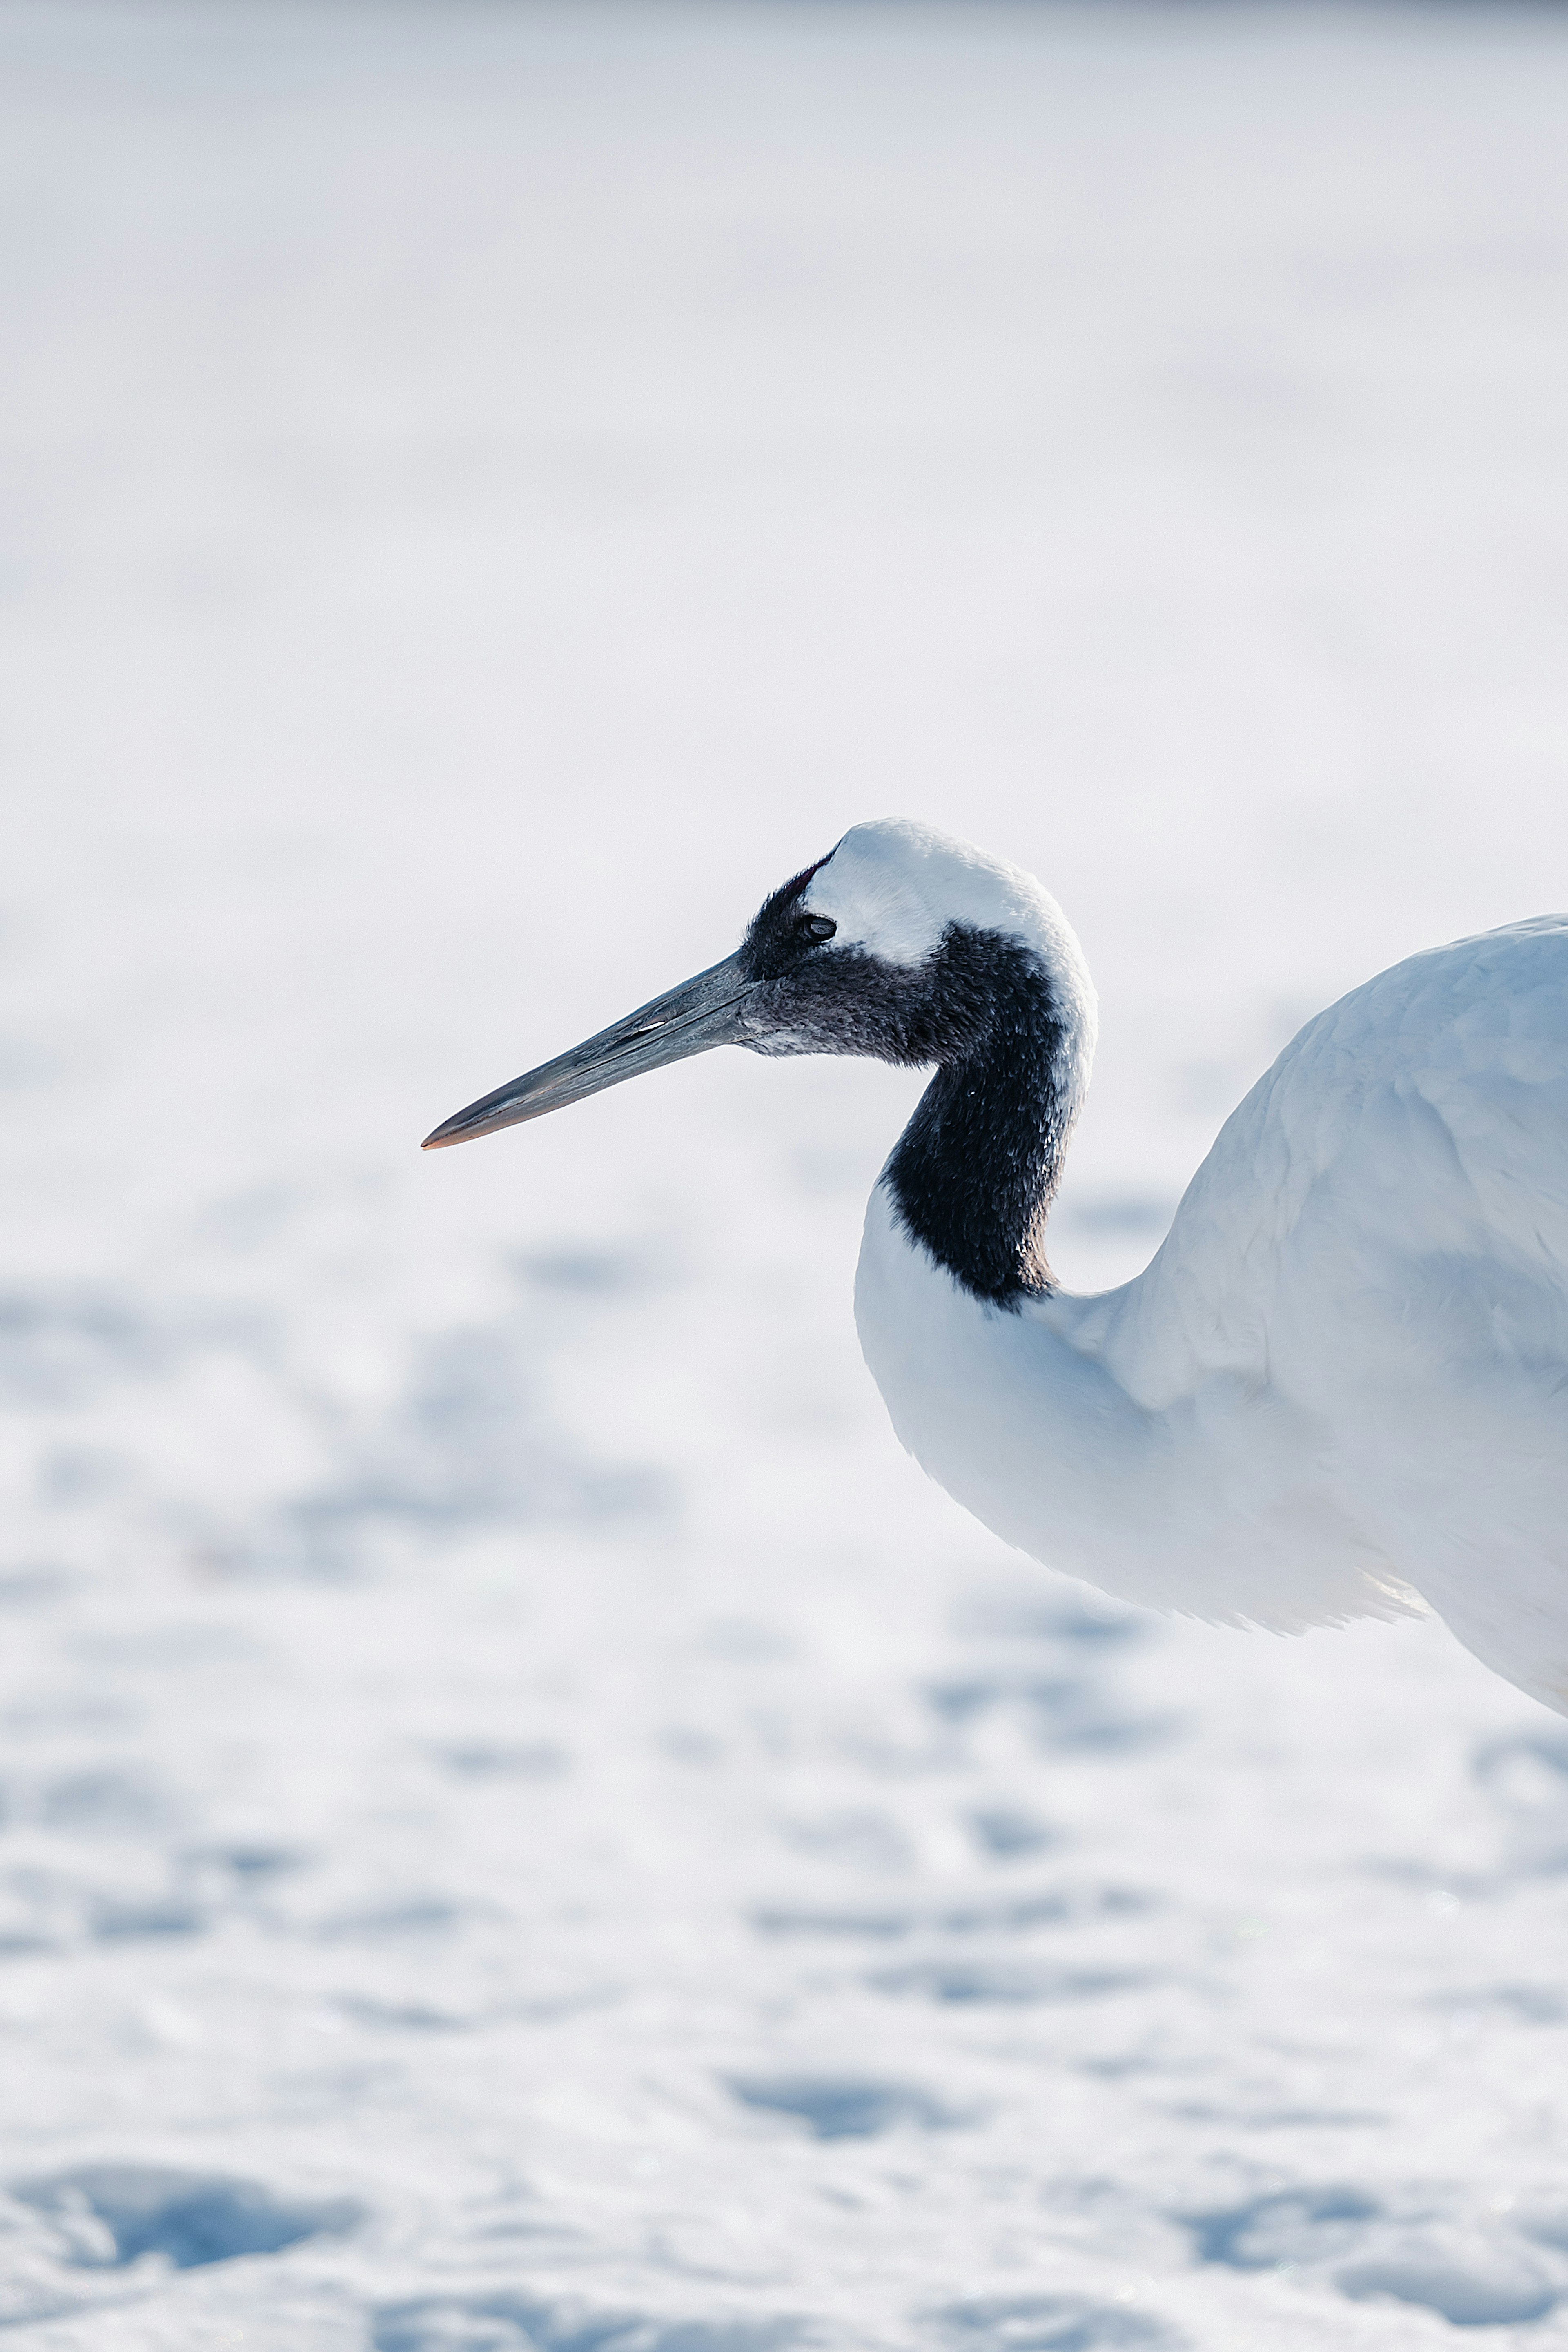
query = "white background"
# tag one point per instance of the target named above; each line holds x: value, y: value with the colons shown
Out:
x: 526, y: 1822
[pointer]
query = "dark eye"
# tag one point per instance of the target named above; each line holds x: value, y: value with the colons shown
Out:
x: 819, y: 927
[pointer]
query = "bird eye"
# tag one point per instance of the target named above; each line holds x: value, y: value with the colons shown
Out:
x: 819, y: 927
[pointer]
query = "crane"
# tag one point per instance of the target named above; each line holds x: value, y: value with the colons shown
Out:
x: 1338, y: 1389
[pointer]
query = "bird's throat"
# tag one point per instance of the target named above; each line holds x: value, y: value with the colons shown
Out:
x: 973, y: 1174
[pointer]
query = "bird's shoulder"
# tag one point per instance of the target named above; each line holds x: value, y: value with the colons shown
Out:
x: 1425, y: 1115
x: 1475, y: 1032
x: 1477, y: 1002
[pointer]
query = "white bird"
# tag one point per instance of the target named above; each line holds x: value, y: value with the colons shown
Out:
x: 1339, y: 1389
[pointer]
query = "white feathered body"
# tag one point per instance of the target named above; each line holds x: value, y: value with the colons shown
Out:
x: 1340, y: 1389
x: 1344, y: 1380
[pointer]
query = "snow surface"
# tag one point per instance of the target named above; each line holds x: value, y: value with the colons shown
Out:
x: 527, y: 1822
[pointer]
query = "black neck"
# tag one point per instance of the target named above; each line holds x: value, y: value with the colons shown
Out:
x: 974, y: 1173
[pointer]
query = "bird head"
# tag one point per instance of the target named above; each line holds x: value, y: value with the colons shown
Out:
x: 890, y: 946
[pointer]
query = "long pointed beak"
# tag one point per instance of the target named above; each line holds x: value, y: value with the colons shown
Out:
x: 699, y: 1014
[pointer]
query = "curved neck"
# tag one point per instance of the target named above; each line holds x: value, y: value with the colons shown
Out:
x: 1210, y: 1499
x: 973, y: 1174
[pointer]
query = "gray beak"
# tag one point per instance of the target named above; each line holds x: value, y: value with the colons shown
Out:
x: 701, y: 1013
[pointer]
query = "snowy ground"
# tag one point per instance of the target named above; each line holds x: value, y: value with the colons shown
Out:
x: 526, y: 1822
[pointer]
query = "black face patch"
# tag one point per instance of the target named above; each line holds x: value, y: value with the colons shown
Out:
x: 973, y: 1173
x: 780, y: 934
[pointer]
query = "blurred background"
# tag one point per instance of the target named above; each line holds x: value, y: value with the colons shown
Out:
x: 526, y: 1826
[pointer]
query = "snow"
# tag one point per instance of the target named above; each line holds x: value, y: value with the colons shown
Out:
x: 527, y: 1823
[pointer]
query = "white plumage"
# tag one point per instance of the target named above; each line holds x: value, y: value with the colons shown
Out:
x: 1346, y: 1372
x: 1343, y: 1381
